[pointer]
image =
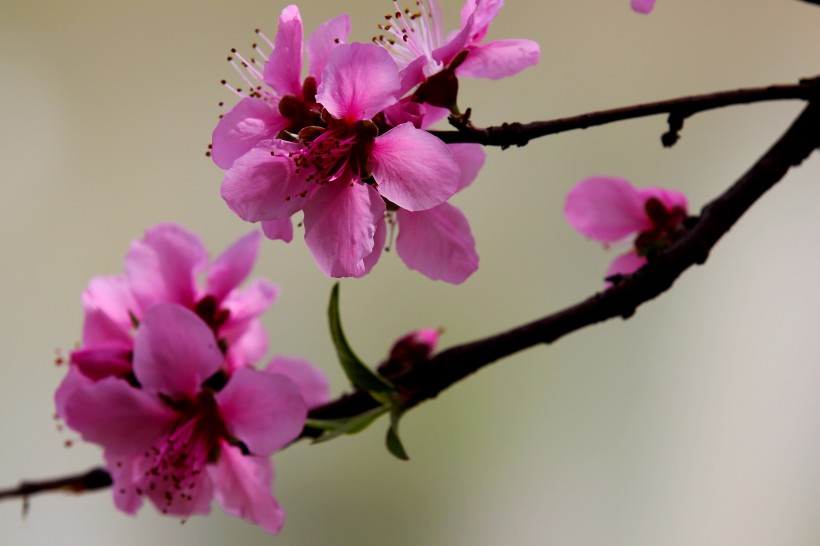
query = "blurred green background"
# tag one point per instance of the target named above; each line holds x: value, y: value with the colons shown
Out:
x: 696, y: 421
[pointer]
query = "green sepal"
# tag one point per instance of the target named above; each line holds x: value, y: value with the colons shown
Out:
x: 356, y: 371
x: 394, y: 445
x: 337, y: 427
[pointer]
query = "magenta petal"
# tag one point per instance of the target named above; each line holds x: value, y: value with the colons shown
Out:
x: 232, y: 266
x: 484, y: 12
x: 262, y: 410
x: 242, y: 487
x: 283, y: 71
x: 413, y: 169
x: 248, y: 303
x: 281, y: 230
x: 379, y: 239
x: 124, y: 472
x: 247, y: 348
x: 437, y: 243
x: 340, y: 227
x: 103, y: 360
x: 469, y: 158
x: 312, y: 383
x: 248, y: 123
x: 325, y: 39
x: 260, y: 186
x: 174, y: 351
x: 625, y: 264
x: 606, y: 209
x: 120, y: 418
x: 107, y: 302
x: 456, y: 42
x: 162, y: 266
x: 359, y: 81
x: 499, y: 59
x: 72, y: 381
x: 643, y: 6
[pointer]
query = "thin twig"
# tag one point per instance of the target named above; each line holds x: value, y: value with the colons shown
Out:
x: 96, y: 478
x: 518, y: 134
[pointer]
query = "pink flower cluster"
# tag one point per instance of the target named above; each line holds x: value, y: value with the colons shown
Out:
x: 609, y: 210
x: 163, y: 380
x: 346, y: 144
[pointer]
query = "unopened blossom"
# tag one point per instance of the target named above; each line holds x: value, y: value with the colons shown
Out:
x: 417, y: 42
x: 342, y: 173
x: 165, y: 266
x: 643, y: 6
x: 609, y: 210
x: 276, y: 98
x: 181, y: 432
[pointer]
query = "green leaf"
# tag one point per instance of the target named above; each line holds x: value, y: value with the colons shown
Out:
x: 394, y: 445
x: 360, y: 375
x: 352, y: 425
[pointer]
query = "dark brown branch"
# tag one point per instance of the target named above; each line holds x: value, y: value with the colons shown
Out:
x: 518, y: 134
x: 96, y: 478
x: 428, y: 379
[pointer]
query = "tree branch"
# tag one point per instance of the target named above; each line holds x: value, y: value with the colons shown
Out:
x: 518, y: 134
x: 427, y: 379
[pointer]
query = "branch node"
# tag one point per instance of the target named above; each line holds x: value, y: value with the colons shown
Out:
x: 675, y: 121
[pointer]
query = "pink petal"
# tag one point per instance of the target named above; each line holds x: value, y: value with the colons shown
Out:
x: 278, y: 229
x: 72, y: 381
x: 625, y: 264
x: 340, y: 227
x: 107, y: 301
x: 248, y: 123
x: 456, y: 43
x: 499, y: 59
x: 264, y: 411
x: 643, y: 6
x: 325, y: 39
x: 359, y: 81
x: 671, y: 199
x: 312, y: 383
x: 122, y: 419
x: 104, y: 360
x: 283, y: 71
x: 174, y: 351
x: 378, y: 245
x: 606, y: 209
x: 260, y: 186
x: 162, y: 267
x: 243, y: 488
x: 247, y: 348
x: 413, y: 169
x: 437, y: 243
x: 248, y: 304
x: 124, y: 473
x: 232, y: 266
x: 484, y: 12
x: 469, y: 158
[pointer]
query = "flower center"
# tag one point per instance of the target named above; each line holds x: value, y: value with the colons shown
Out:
x: 666, y: 227
x: 410, y: 35
x: 339, y: 152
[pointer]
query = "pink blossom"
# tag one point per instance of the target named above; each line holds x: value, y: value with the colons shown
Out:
x: 341, y: 173
x: 277, y: 98
x: 417, y: 43
x: 189, y: 433
x: 164, y: 267
x: 643, y: 6
x: 610, y: 209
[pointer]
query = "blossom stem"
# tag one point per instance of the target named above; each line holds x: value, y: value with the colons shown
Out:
x: 519, y: 134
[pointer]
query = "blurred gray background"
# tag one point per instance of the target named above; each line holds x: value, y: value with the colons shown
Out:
x: 697, y: 421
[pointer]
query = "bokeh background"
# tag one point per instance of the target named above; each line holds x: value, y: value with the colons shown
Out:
x: 697, y: 421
